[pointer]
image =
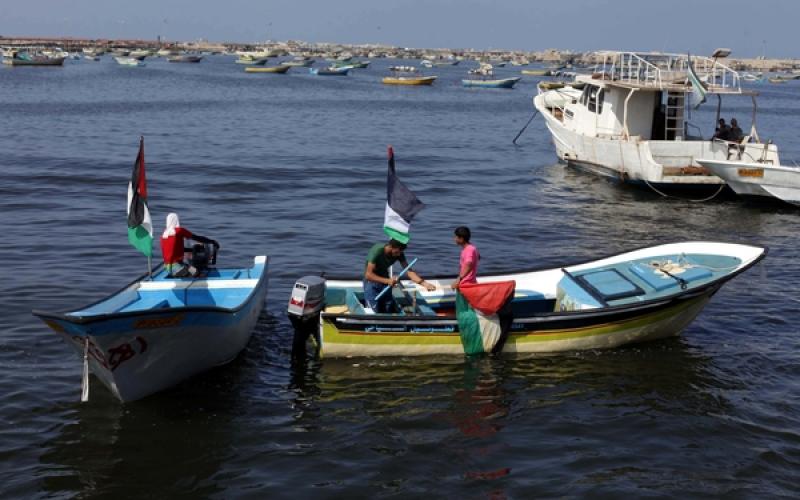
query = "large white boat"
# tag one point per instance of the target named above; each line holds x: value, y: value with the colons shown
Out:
x: 629, y: 119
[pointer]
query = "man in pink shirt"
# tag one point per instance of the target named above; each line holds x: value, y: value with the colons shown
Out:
x: 468, y: 264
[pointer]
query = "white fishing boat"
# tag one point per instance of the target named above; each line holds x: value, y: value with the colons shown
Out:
x: 128, y: 61
x: 754, y: 177
x: 631, y: 119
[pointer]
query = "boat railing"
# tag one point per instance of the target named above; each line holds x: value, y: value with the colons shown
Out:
x: 667, y: 70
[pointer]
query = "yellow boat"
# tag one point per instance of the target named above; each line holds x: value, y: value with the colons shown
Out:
x: 267, y: 69
x: 409, y: 80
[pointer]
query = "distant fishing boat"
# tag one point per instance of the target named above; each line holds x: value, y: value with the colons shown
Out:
x: 498, y: 83
x: 409, y: 80
x: 91, y: 58
x: 300, y: 62
x: 778, y: 79
x: 637, y: 296
x: 128, y: 61
x: 185, y: 58
x: 351, y: 64
x: 749, y: 178
x: 331, y: 71
x: 283, y: 68
x: 537, y: 72
x: 19, y: 58
x: 252, y: 62
x: 407, y: 75
x: 483, y: 77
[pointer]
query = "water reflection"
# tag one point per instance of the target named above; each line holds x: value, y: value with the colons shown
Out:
x: 170, y: 445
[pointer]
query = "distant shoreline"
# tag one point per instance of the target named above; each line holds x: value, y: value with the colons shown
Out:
x: 292, y: 47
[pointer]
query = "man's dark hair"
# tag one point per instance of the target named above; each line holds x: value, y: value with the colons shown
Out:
x: 396, y: 244
x: 463, y: 233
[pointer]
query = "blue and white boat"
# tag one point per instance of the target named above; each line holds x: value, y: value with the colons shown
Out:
x: 159, y: 331
x: 330, y: 71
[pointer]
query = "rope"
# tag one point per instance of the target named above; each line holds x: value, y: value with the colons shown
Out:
x: 526, y: 126
x: 85, y: 378
x: 701, y: 200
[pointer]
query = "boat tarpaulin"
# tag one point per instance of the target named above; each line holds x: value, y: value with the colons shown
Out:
x: 484, y: 315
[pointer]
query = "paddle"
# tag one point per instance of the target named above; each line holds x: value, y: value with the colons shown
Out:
x: 526, y: 126
x: 389, y: 287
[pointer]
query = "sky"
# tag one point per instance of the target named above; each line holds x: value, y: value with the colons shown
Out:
x: 750, y: 27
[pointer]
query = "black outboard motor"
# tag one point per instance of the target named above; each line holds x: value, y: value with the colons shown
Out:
x: 204, y: 255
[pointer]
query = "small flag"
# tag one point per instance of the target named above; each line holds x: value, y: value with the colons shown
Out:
x: 401, y: 205
x: 698, y: 88
x: 484, y: 316
x: 140, y: 226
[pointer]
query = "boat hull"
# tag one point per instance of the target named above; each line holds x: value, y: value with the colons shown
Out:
x: 265, y: 69
x: 329, y: 72
x: 505, y: 83
x: 136, y: 355
x: 552, y: 335
x: 52, y: 61
x: 402, y: 80
x: 758, y: 179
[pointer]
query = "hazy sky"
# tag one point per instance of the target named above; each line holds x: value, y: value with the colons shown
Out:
x: 749, y: 27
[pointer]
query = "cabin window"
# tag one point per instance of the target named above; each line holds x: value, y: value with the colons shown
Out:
x: 595, y: 103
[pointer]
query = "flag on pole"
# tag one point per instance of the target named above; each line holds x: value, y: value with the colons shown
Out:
x: 140, y: 226
x: 484, y: 316
x: 401, y: 205
x: 699, y: 91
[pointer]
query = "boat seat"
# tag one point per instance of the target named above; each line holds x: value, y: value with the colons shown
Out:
x: 659, y: 281
x: 609, y: 284
x: 354, y: 305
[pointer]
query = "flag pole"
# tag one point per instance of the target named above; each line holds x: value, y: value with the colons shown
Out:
x: 150, y: 267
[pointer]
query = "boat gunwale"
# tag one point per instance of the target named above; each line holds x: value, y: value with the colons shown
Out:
x: 588, y: 313
x: 83, y: 320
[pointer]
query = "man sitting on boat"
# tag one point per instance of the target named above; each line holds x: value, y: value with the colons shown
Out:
x: 723, y: 131
x: 173, y: 247
x: 735, y: 133
x: 468, y: 263
x: 376, y: 275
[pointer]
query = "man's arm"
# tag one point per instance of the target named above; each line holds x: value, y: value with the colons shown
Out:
x: 465, y: 270
x: 203, y: 239
x: 370, y: 275
x: 416, y: 278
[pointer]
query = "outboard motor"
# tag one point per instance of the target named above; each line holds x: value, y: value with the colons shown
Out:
x: 204, y: 255
x: 305, y: 306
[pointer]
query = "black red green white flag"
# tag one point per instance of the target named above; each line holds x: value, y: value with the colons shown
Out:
x: 401, y: 205
x: 140, y: 225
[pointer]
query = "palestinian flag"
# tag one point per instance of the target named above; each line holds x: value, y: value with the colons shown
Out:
x: 140, y: 226
x: 483, y: 311
x: 698, y: 88
x: 401, y: 205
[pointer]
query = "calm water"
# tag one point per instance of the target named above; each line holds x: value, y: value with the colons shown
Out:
x: 294, y: 166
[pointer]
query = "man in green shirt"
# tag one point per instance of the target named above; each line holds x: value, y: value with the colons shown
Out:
x: 376, y: 275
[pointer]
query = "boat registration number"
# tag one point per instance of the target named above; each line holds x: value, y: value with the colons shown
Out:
x: 751, y: 172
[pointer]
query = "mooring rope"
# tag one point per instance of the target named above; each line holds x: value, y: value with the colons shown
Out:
x: 701, y: 200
